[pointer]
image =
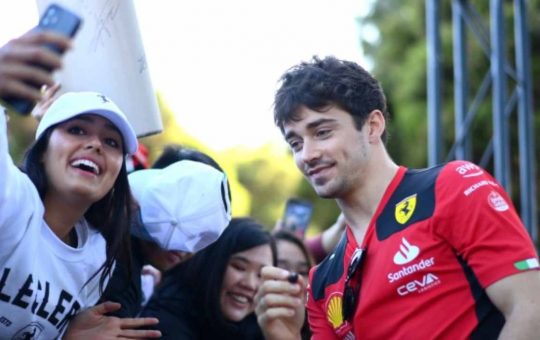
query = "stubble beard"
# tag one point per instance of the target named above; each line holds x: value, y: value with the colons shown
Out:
x: 330, y: 188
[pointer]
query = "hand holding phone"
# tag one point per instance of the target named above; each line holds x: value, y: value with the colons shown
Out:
x: 25, y: 67
x: 297, y: 216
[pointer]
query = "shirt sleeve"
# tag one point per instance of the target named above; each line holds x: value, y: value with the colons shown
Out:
x: 19, y: 200
x: 318, y: 324
x: 174, y: 305
x: 476, y: 216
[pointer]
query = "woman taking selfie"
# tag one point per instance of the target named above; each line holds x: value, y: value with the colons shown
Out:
x: 64, y: 217
x: 211, y: 295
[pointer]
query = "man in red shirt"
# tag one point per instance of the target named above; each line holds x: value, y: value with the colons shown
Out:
x: 432, y: 253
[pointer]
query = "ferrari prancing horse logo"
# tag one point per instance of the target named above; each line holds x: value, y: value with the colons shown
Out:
x: 405, y: 209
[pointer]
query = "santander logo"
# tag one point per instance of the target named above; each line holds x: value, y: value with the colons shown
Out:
x: 406, y: 253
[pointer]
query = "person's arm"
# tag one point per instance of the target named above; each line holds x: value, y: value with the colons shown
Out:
x: 323, y: 244
x: 50, y: 94
x: 317, y: 318
x: 18, y: 67
x: 279, y: 305
x: 93, y: 324
x: 174, y: 304
x: 518, y: 298
x: 483, y: 228
x: 19, y: 60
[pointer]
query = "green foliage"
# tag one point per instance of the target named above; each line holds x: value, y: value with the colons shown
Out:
x: 174, y: 134
x: 21, y: 131
x: 398, y: 54
x: 270, y: 176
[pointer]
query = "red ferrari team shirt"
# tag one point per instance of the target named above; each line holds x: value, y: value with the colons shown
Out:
x: 439, y: 237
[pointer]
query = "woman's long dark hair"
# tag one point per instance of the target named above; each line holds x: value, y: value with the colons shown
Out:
x: 110, y: 215
x: 206, y: 269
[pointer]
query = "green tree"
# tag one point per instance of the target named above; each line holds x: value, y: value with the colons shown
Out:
x: 398, y: 54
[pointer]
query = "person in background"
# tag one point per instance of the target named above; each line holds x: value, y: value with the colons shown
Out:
x: 181, y: 209
x: 293, y: 256
x: 211, y: 295
x: 162, y: 258
x: 323, y: 243
x: 418, y: 242
x: 198, y: 194
x: 174, y: 153
x: 68, y: 205
x: 139, y: 160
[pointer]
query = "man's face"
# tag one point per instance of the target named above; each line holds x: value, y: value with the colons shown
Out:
x: 329, y: 150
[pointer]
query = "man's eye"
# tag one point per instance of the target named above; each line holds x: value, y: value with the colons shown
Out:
x: 323, y: 133
x: 295, y: 145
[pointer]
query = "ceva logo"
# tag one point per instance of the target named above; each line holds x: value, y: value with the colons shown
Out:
x: 428, y: 281
x: 406, y: 253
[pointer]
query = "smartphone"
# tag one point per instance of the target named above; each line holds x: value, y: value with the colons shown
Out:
x: 297, y: 216
x: 56, y: 19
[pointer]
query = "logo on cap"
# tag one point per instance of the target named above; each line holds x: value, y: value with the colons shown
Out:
x: 105, y: 99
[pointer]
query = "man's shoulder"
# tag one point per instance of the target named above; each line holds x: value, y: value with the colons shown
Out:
x: 329, y: 271
x: 413, y: 200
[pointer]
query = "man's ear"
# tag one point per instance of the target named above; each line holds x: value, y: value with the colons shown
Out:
x: 376, y: 125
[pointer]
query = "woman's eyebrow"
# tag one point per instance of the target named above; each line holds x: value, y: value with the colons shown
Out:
x: 248, y: 261
x: 240, y: 258
x: 90, y: 119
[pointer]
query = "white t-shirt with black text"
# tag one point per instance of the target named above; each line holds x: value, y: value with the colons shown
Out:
x: 42, y: 279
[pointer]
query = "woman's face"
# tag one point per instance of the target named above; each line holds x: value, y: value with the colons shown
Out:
x: 162, y: 259
x: 291, y: 258
x: 241, y: 281
x: 83, y: 158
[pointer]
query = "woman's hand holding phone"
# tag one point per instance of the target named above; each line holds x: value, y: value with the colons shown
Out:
x: 26, y: 62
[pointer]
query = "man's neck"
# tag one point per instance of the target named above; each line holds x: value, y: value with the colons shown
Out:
x: 360, y: 206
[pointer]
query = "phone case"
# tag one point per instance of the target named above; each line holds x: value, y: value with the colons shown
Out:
x: 297, y: 215
x: 57, y: 19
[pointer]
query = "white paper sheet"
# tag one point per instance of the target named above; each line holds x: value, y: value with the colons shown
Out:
x: 108, y: 57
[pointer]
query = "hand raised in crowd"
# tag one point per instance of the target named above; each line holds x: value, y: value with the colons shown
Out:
x: 93, y: 324
x: 280, y: 304
x: 22, y: 61
x: 48, y: 97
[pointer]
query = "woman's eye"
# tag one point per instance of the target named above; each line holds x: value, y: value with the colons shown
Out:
x: 112, y: 142
x: 238, y: 267
x: 76, y: 130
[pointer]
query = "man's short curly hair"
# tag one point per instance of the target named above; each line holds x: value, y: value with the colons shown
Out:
x: 321, y: 83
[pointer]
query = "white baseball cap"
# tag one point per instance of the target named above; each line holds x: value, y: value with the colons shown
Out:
x: 72, y: 104
x: 185, y: 206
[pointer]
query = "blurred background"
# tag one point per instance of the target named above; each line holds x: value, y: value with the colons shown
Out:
x: 215, y: 66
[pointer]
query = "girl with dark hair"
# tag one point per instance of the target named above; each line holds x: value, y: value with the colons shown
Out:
x: 292, y: 254
x: 64, y: 218
x: 211, y: 295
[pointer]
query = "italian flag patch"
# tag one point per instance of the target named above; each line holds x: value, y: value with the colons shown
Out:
x: 527, y: 264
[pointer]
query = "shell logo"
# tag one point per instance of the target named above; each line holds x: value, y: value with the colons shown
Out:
x: 334, y: 311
